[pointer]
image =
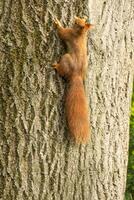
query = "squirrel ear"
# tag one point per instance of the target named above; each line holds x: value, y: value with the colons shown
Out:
x: 89, y: 26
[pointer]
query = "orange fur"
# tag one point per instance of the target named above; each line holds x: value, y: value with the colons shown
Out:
x: 73, y: 67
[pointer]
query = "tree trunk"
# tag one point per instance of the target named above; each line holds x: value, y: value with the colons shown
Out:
x: 38, y: 161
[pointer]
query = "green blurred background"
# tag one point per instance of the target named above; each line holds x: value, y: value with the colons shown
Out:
x: 130, y: 175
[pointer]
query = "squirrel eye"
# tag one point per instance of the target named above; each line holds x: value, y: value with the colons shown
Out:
x: 82, y: 27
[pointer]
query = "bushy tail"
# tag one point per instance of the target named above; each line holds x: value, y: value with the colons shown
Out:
x: 77, y: 111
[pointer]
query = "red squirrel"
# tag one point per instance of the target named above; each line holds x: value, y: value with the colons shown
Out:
x: 73, y: 67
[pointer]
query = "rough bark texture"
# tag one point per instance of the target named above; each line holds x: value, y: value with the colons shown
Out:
x: 37, y: 159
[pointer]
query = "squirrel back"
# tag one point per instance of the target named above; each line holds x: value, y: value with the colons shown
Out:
x: 77, y: 110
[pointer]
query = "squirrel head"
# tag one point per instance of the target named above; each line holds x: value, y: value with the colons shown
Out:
x: 81, y: 23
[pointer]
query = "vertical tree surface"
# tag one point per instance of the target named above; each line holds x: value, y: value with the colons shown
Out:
x: 38, y: 160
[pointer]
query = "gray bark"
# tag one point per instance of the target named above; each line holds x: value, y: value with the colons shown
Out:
x: 37, y: 158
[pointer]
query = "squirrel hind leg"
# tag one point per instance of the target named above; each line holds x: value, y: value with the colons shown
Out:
x: 64, y: 66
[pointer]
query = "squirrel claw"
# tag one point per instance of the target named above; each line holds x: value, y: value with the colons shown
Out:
x: 57, y: 22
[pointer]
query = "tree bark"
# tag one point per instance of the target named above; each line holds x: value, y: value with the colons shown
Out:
x: 38, y: 161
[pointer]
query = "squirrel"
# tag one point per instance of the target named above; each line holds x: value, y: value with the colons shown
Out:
x: 72, y: 67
